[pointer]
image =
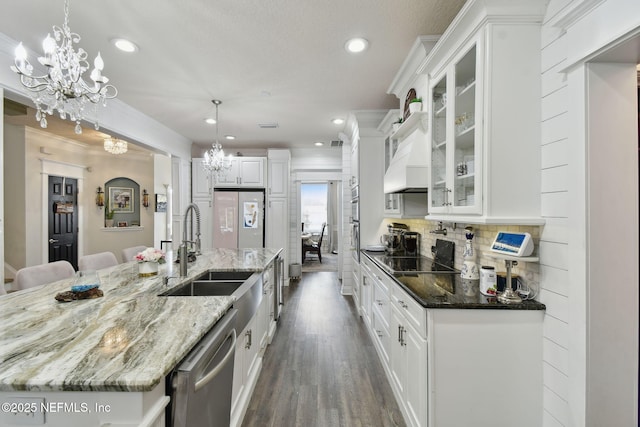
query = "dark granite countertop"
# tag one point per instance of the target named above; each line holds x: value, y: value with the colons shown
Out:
x: 447, y: 290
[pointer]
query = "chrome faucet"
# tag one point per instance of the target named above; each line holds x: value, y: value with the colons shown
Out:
x: 439, y: 230
x: 183, y: 252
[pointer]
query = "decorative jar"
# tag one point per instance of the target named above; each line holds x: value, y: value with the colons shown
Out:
x: 147, y: 269
x: 469, y: 266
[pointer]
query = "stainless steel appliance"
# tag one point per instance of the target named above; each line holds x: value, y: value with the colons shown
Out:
x: 278, y: 300
x: 392, y: 243
x: 411, y: 243
x: 238, y: 218
x: 393, y: 239
x: 355, y: 223
x: 200, y: 387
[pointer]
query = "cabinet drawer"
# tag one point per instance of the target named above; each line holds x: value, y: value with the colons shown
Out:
x: 381, y: 301
x: 415, y: 314
x: 382, y: 338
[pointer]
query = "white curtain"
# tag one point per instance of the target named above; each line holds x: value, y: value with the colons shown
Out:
x: 332, y: 216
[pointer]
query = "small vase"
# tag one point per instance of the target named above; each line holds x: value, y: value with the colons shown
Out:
x: 147, y: 269
x: 108, y: 223
x: 469, y: 266
x: 415, y: 106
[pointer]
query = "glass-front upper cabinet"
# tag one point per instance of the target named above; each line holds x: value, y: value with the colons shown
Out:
x: 439, y: 191
x: 391, y: 201
x: 454, y: 140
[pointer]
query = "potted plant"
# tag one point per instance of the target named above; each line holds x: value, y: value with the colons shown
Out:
x: 148, y: 261
x: 108, y: 214
x: 396, y: 125
x: 415, y: 105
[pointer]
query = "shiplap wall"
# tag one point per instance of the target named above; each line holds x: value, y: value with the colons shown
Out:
x: 554, y: 244
x: 578, y: 389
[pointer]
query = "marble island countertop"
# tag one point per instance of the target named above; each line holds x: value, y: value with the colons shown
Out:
x: 127, y: 340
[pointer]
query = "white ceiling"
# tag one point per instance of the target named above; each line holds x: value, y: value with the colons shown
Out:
x: 269, y: 61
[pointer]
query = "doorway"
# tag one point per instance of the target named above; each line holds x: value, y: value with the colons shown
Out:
x: 62, y: 220
x: 318, y: 206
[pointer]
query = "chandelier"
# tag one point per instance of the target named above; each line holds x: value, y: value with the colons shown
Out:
x: 214, y: 161
x: 63, y: 88
x: 115, y: 145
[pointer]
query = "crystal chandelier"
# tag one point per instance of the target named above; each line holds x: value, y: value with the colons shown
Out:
x: 63, y: 88
x: 115, y: 145
x: 214, y: 160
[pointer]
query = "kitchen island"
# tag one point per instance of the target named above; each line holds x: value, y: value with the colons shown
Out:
x: 104, y: 360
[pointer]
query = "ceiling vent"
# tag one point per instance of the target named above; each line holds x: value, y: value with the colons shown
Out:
x: 337, y: 143
x: 268, y: 125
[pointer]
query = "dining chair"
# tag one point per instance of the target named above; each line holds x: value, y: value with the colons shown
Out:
x: 314, y: 247
x: 97, y: 261
x: 129, y: 253
x: 36, y: 275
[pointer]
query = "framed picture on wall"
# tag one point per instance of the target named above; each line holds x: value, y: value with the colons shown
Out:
x: 121, y: 200
x: 161, y: 202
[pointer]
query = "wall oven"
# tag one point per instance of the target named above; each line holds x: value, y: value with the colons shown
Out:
x: 355, y: 241
x: 355, y: 223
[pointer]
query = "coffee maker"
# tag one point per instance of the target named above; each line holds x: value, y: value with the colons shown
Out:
x: 411, y: 243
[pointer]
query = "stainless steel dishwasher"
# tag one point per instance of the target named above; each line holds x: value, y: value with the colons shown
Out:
x: 201, y: 385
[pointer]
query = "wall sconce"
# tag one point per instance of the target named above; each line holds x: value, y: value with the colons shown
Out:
x: 145, y: 198
x: 100, y: 197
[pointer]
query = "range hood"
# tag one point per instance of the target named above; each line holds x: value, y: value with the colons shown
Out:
x: 408, y: 171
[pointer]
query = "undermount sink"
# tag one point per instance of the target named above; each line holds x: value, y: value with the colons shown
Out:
x: 211, y: 283
x: 246, y: 286
x: 202, y: 288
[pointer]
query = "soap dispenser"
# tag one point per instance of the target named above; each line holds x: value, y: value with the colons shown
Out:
x: 469, y: 265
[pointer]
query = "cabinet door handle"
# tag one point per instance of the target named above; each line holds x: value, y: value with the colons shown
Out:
x: 402, y: 341
x: 379, y: 301
x: 403, y: 304
x: 379, y: 333
x: 400, y: 334
x: 248, y: 335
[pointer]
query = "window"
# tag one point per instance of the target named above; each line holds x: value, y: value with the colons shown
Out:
x: 313, y: 203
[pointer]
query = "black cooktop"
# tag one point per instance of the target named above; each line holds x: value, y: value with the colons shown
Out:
x: 419, y: 264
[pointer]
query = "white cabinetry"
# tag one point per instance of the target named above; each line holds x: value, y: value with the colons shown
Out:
x: 406, y: 205
x: 202, y: 196
x: 277, y: 219
x: 355, y: 160
x: 485, y: 114
x: 366, y: 293
x: 250, y: 347
x: 201, y: 186
x: 409, y: 355
x: 443, y: 359
x: 391, y: 201
x: 269, y: 282
x: 244, y: 172
x: 246, y: 368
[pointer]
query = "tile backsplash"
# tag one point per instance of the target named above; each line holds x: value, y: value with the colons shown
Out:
x: 528, y: 272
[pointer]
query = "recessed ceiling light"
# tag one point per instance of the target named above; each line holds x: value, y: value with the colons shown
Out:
x: 356, y: 45
x: 210, y: 121
x: 337, y: 121
x: 229, y: 137
x: 125, y: 45
x: 319, y: 144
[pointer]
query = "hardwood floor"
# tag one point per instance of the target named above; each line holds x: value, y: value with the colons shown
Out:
x: 321, y: 368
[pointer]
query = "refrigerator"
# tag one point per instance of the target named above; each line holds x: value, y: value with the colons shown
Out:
x: 238, y: 219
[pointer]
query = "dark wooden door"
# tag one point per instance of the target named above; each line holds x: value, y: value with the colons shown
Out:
x: 63, y: 220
